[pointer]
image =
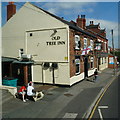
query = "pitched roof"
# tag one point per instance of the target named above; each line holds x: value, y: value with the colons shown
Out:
x: 97, y: 34
x: 92, y: 26
x: 71, y: 25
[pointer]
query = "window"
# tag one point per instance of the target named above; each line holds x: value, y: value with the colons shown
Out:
x: 91, y: 44
x: 102, y: 60
x: 92, y: 62
x: 77, y: 63
x: 31, y: 34
x: 105, y: 46
x: 85, y: 43
x: 105, y: 60
x: 77, y: 42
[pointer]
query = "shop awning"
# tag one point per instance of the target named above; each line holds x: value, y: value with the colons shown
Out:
x: 7, y: 59
x: 102, y: 54
x: 23, y: 62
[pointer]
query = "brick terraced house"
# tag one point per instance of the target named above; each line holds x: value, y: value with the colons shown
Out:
x: 44, y: 48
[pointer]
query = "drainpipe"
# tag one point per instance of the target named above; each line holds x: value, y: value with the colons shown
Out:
x: 25, y: 74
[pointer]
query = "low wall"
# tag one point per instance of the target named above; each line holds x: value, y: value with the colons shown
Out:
x: 76, y: 79
x: 103, y: 66
x: 12, y: 90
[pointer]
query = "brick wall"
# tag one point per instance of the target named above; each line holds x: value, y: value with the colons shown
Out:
x: 74, y: 52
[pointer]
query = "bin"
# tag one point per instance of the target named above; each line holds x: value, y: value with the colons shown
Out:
x: 10, y: 82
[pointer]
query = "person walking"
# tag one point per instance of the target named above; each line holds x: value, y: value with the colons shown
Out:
x: 95, y: 74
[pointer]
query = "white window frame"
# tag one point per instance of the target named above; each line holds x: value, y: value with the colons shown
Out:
x: 77, y: 62
x: 92, y: 61
x: 91, y: 44
x: 85, y: 43
x: 105, y: 46
x: 77, y: 39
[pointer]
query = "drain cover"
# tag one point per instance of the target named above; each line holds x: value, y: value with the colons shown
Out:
x: 68, y: 94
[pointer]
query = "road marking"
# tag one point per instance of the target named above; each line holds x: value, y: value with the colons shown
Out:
x: 70, y: 115
x: 99, y: 107
x: 97, y: 102
x: 99, y: 110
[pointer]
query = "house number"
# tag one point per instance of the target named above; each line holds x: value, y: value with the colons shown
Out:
x: 56, y: 38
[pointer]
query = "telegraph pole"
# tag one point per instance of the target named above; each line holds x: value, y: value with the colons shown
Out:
x: 113, y: 50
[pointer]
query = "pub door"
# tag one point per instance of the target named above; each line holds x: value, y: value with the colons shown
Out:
x: 19, y: 72
x: 86, y: 66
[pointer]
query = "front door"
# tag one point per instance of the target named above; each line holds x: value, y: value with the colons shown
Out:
x: 86, y: 66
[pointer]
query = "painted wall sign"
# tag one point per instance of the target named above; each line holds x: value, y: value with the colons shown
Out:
x: 56, y: 38
x: 56, y: 41
x: 48, y: 46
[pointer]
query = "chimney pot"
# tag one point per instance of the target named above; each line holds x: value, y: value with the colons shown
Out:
x: 82, y: 16
x: 91, y: 23
x: 11, y: 3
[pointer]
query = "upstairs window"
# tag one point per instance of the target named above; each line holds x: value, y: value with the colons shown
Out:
x: 91, y: 44
x: 85, y: 43
x: 77, y: 42
x: 105, y: 46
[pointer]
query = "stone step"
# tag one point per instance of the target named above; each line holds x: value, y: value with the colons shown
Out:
x: 6, y: 95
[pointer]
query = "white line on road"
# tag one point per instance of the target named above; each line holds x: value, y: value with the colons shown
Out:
x: 99, y: 110
x: 101, y: 117
x: 99, y: 107
x: 70, y: 115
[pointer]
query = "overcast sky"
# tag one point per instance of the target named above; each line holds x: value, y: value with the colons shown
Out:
x: 105, y: 13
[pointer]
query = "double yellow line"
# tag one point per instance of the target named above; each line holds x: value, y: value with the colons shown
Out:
x: 97, y: 102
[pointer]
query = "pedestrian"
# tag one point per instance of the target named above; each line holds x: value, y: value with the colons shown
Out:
x: 96, y: 74
x: 22, y: 91
x: 30, y: 90
x: 31, y: 83
x: 32, y: 93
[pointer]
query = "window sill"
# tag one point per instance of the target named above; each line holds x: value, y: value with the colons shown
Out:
x: 77, y: 73
x: 77, y: 49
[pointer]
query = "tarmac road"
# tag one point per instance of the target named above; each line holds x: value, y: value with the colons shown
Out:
x: 108, y: 107
x: 59, y: 102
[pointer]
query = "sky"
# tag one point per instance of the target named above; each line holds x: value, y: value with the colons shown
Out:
x: 105, y: 13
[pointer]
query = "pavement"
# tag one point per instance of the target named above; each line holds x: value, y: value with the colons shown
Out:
x: 57, y: 99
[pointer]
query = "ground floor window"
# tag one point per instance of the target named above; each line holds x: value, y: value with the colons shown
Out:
x: 102, y: 60
x: 105, y: 60
x: 77, y: 63
x: 91, y: 62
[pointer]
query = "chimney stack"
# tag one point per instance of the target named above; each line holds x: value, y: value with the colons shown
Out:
x: 81, y: 22
x: 11, y: 10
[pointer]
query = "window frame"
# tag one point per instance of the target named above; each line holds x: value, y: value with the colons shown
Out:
x: 91, y: 44
x: 77, y: 64
x: 85, y: 43
x: 77, y: 42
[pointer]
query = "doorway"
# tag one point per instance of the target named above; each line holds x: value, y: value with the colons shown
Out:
x: 86, y: 66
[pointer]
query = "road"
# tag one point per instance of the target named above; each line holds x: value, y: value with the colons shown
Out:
x: 108, y: 106
x: 65, y: 102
